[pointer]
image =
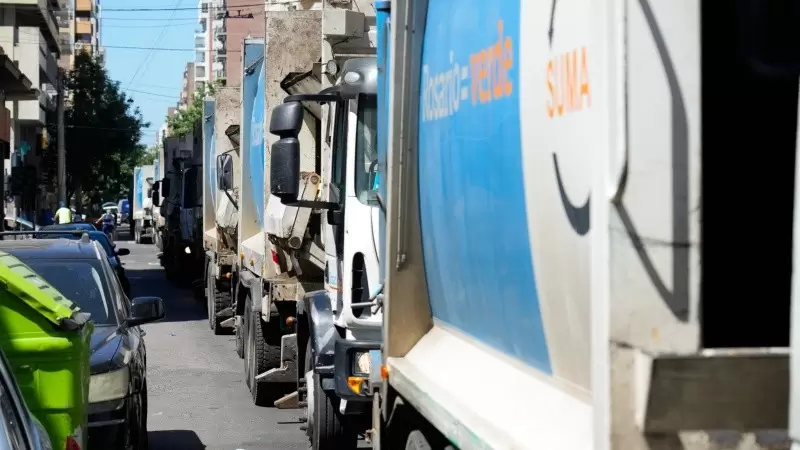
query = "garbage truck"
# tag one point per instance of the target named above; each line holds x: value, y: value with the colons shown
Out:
x: 143, y: 178
x: 563, y: 265
x: 179, y: 194
x: 221, y: 204
x: 302, y: 276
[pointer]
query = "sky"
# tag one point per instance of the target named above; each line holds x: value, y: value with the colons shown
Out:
x: 153, y: 78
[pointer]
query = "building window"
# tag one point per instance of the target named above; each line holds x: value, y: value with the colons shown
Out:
x: 200, y: 57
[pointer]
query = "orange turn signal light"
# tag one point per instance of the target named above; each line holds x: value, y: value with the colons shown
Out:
x: 356, y: 384
x: 384, y: 372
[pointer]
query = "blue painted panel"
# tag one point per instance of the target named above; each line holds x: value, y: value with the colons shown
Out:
x: 257, y: 145
x: 138, y: 176
x: 209, y: 144
x: 253, y: 52
x: 476, y: 247
x: 382, y: 16
x: 156, y: 171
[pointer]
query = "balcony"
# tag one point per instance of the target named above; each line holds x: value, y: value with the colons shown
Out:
x: 47, y: 99
x: 85, y: 6
x: 48, y: 66
x: 83, y: 26
x: 200, y: 57
x: 199, y: 42
x: 84, y: 47
x: 199, y: 71
x: 37, y: 13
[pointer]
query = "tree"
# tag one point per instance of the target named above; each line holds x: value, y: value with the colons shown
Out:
x: 183, y: 122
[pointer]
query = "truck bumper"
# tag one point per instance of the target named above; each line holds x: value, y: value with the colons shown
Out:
x: 356, y: 369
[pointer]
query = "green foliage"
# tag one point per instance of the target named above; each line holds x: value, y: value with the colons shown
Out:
x: 183, y: 122
x: 103, y: 130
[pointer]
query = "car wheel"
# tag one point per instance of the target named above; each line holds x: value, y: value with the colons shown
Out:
x: 142, y: 439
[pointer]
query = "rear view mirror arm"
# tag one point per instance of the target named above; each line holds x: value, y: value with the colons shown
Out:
x: 233, y: 202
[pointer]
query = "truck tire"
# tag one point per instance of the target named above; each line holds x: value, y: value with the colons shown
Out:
x: 330, y: 429
x: 216, y: 301
x: 239, y: 332
x: 262, y: 355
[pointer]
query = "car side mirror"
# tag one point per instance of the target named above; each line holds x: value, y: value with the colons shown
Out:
x: 225, y: 172
x: 155, y: 194
x: 285, y: 122
x: 146, y: 310
x: 123, y: 252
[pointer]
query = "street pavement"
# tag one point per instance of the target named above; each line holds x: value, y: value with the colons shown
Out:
x: 195, y: 380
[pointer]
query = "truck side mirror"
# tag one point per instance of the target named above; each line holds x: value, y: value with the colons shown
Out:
x: 285, y: 123
x: 155, y: 194
x: 225, y: 172
x: 165, y: 186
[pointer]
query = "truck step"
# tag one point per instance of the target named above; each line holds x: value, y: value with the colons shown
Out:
x: 288, y: 401
x: 228, y: 323
x: 303, y: 427
x: 302, y: 404
x: 227, y: 312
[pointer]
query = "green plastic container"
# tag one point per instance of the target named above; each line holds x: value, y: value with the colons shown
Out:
x: 47, y: 341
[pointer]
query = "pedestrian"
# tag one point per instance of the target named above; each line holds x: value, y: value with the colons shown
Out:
x: 48, y: 216
x: 63, y: 214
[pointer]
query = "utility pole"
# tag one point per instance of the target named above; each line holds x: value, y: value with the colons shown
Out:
x: 62, y: 152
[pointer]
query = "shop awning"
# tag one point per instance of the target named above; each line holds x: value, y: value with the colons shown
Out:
x: 13, y: 82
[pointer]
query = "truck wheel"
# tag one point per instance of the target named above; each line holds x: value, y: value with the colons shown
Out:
x: 245, y: 322
x: 331, y: 430
x: 239, y: 331
x: 217, y: 301
x: 262, y: 357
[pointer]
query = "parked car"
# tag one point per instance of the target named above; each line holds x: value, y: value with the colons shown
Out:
x: 80, y: 270
x: 69, y: 226
x: 18, y: 224
x: 111, y: 251
x: 19, y: 429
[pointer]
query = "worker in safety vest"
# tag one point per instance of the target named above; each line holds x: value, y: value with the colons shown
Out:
x: 64, y: 214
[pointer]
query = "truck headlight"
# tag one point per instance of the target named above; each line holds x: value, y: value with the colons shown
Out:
x: 362, y: 362
x: 109, y: 386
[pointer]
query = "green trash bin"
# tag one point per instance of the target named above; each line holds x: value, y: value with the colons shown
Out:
x: 47, y: 341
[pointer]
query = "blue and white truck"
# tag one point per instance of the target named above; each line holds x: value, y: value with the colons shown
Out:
x: 221, y: 182
x: 142, y: 204
x: 306, y: 268
x: 569, y: 261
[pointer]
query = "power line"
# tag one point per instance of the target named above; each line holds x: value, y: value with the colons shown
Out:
x: 150, y: 93
x: 147, y: 26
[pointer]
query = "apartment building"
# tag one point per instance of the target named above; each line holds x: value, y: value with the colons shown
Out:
x: 189, y: 87
x: 29, y: 37
x: 238, y: 26
x: 78, y: 30
x: 209, y: 43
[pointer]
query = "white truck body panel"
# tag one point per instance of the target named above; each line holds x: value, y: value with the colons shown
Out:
x: 141, y: 201
x: 543, y: 226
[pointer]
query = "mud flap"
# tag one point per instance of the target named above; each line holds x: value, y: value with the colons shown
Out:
x: 287, y: 372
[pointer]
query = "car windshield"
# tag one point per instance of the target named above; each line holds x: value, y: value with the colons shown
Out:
x: 82, y: 282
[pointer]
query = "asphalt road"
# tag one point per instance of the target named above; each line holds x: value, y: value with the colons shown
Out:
x: 197, y: 395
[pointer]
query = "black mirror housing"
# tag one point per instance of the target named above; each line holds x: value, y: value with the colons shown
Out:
x: 286, y: 119
x: 165, y: 183
x: 155, y: 196
x: 146, y: 310
x: 224, y: 172
x: 284, y: 169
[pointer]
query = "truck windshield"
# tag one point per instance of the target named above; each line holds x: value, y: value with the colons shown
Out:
x: 366, y: 169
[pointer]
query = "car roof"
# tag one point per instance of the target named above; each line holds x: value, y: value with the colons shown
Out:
x: 62, y: 248
x: 69, y: 226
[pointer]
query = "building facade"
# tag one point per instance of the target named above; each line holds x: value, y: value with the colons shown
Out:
x: 79, y: 30
x: 30, y: 38
x: 189, y: 87
x: 244, y: 19
x: 209, y: 42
